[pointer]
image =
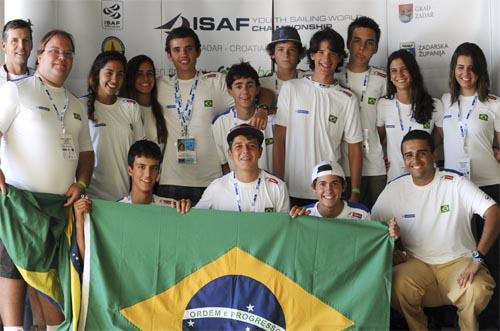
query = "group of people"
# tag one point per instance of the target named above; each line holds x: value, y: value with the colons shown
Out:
x: 294, y: 141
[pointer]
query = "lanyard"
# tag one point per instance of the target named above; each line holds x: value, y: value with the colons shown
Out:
x: 365, y: 83
x: 237, y: 192
x: 462, y: 123
x: 401, y: 118
x: 60, y: 114
x: 186, y: 113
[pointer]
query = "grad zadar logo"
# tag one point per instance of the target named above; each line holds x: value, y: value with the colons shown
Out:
x: 234, y: 292
x: 406, y: 12
x: 206, y: 23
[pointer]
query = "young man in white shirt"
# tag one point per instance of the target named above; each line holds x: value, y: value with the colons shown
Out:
x: 328, y: 184
x: 368, y: 84
x: 315, y: 114
x: 192, y: 100
x: 247, y: 188
x: 144, y: 159
x: 286, y: 51
x: 243, y: 85
x: 443, y: 265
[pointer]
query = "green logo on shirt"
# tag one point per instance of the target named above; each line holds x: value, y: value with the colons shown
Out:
x: 483, y: 117
x: 445, y: 208
x: 269, y: 210
x: 131, y: 127
x: 427, y: 125
x: 208, y: 103
x: 77, y: 116
x: 372, y: 101
x: 332, y: 118
x: 269, y: 141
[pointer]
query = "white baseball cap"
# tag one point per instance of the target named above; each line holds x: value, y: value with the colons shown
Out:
x: 325, y: 168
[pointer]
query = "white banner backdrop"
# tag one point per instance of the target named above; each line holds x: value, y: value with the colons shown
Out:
x: 232, y: 30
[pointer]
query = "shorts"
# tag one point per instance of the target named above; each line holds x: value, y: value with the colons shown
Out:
x: 7, y: 268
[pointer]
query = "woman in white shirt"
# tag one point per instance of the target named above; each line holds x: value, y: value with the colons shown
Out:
x: 140, y: 86
x: 406, y: 107
x: 471, y: 120
x: 115, y: 124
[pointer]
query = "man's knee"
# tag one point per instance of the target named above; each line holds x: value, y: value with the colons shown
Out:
x: 480, y: 291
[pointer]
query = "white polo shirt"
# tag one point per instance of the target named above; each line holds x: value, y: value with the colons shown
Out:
x: 397, y: 127
x: 435, y: 218
x: 369, y: 85
x: 116, y: 128
x: 211, y: 98
x: 32, y: 157
x: 318, y: 117
x: 224, y: 122
x: 269, y: 192
x: 483, y: 122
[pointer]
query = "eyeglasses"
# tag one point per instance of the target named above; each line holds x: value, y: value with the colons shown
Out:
x: 58, y: 52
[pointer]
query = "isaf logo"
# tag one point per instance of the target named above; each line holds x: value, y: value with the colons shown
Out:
x: 112, y: 14
x: 206, y: 23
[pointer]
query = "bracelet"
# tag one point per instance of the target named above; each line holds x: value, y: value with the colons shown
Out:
x: 478, y: 257
x: 82, y: 184
x: 355, y: 190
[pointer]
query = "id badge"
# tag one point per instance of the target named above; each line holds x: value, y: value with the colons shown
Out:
x: 464, y: 166
x: 68, y: 147
x: 186, y: 150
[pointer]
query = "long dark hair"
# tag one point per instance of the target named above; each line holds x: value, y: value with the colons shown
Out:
x: 129, y: 91
x: 479, y: 68
x: 93, y: 78
x: 422, y: 103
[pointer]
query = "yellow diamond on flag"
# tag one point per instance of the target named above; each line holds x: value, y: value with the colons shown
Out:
x: 301, y: 309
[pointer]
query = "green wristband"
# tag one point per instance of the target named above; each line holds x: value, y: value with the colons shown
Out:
x: 356, y: 190
x: 82, y: 184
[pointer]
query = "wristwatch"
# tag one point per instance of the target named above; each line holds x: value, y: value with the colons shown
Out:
x: 477, y: 257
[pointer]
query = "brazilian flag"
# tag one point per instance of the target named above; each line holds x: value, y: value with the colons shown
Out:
x: 150, y: 268
x: 37, y: 232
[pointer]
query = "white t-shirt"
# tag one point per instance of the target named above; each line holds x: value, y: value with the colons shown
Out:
x: 116, y: 128
x: 435, y: 218
x: 211, y: 98
x: 272, y: 195
x: 388, y: 117
x: 318, y: 117
x: 370, y: 85
x: 225, y: 122
x: 273, y: 83
x: 157, y: 201
x: 149, y: 123
x: 483, y: 122
x: 32, y: 157
x: 351, y: 211
x: 5, y: 77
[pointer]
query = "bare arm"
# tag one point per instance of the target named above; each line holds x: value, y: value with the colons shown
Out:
x: 355, y: 162
x: 279, y: 133
x: 490, y: 233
